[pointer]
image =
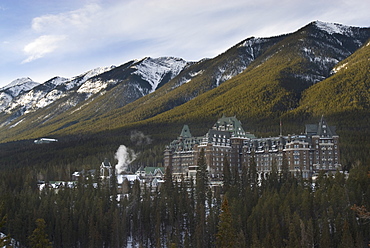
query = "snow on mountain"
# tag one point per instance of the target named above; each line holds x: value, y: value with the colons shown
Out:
x: 50, y: 91
x: 91, y: 87
x: 31, y: 100
x: 19, y: 85
x: 153, y: 70
x: 334, y: 28
x: 12, y: 90
x: 79, y: 80
x: 322, y: 45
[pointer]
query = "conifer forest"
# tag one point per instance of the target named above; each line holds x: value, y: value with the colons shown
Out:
x: 280, y: 211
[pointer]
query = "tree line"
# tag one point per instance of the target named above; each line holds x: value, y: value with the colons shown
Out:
x: 280, y: 211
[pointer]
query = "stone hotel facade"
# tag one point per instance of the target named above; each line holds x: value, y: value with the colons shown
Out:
x: 315, y: 150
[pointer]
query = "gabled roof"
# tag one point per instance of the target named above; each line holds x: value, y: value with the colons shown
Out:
x: 185, y: 132
x: 311, y: 129
x: 106, y: 163
x: 232, y: 125
x: 322, y: 129
x: 185, y: 141
x: 153, y: 170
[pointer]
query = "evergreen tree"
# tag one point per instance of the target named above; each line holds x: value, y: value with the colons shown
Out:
x: 347, y: 240
x: 168, y: 185
x: 325, y: 239
x: 226, y: 174
x: 226, y: 234
x: 285, y: 174
x: 200, y: 229
x: 201, y: 179
x: 273, y: 178
x: 38, y: 238
x: 252, y: 172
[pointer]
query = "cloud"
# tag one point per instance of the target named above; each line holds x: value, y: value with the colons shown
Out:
x: 190, y: 29
x: 66, y: 21
x: 41, y: 46
x: 53, y: 29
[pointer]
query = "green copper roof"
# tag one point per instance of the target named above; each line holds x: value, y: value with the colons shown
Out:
x: 231, y: 124
x: 322, y: 129
x: 151, y: 170
x: 185, y: 132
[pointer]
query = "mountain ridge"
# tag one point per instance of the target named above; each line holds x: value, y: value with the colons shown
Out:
x: 259, y: 80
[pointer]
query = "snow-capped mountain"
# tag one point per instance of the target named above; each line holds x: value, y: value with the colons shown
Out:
x: 12, y: 90
x: 50, y: 91
x: 156, y: 71
x: 291, y: 63
x: 19, y: 85
x: 140, y: 78
x: 145, y: 75
x: 31, y: 100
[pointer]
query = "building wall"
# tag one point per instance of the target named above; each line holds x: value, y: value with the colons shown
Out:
x: 305, y: 153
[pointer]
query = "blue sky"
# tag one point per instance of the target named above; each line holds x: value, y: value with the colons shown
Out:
x: 41, y: 39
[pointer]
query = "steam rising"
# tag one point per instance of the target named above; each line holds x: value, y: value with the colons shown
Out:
x: 124, y: 156
x: 139, y: 138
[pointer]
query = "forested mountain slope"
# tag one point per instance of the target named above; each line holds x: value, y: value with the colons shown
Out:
x: 259, y: 80
x: 102, y: 107
x: 272, y: 85
x: 345, y: 98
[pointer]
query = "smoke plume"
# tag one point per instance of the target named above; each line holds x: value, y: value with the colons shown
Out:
x: 125, y: 156
x: 139, y: 138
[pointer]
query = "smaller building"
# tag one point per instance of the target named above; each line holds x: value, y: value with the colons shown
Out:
x: 106, y: 169
x: 44, y: 141
x: 151, y: 176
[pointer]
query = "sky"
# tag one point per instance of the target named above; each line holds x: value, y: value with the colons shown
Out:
x: 41, y: 39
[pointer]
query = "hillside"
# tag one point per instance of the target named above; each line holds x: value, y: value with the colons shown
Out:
x: 345, y: 98
x: 259, y: 80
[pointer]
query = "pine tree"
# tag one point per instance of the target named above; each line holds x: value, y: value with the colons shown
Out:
x: 284, y: 169
x: 201, y: 179
x: 226, y: 234
x: 347, y: 240
x: 325, y: 239
x: 252, y: 172
x: 273, y: 176
x: 38, y: 238
x: 226, y: 174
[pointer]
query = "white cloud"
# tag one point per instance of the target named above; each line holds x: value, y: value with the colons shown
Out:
x: 65, y: 22
x: 190, y: 29
x: 41, y: 46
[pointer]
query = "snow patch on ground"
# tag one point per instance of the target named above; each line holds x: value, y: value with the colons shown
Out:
x: 338, y: 68
x: 16, y: 124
